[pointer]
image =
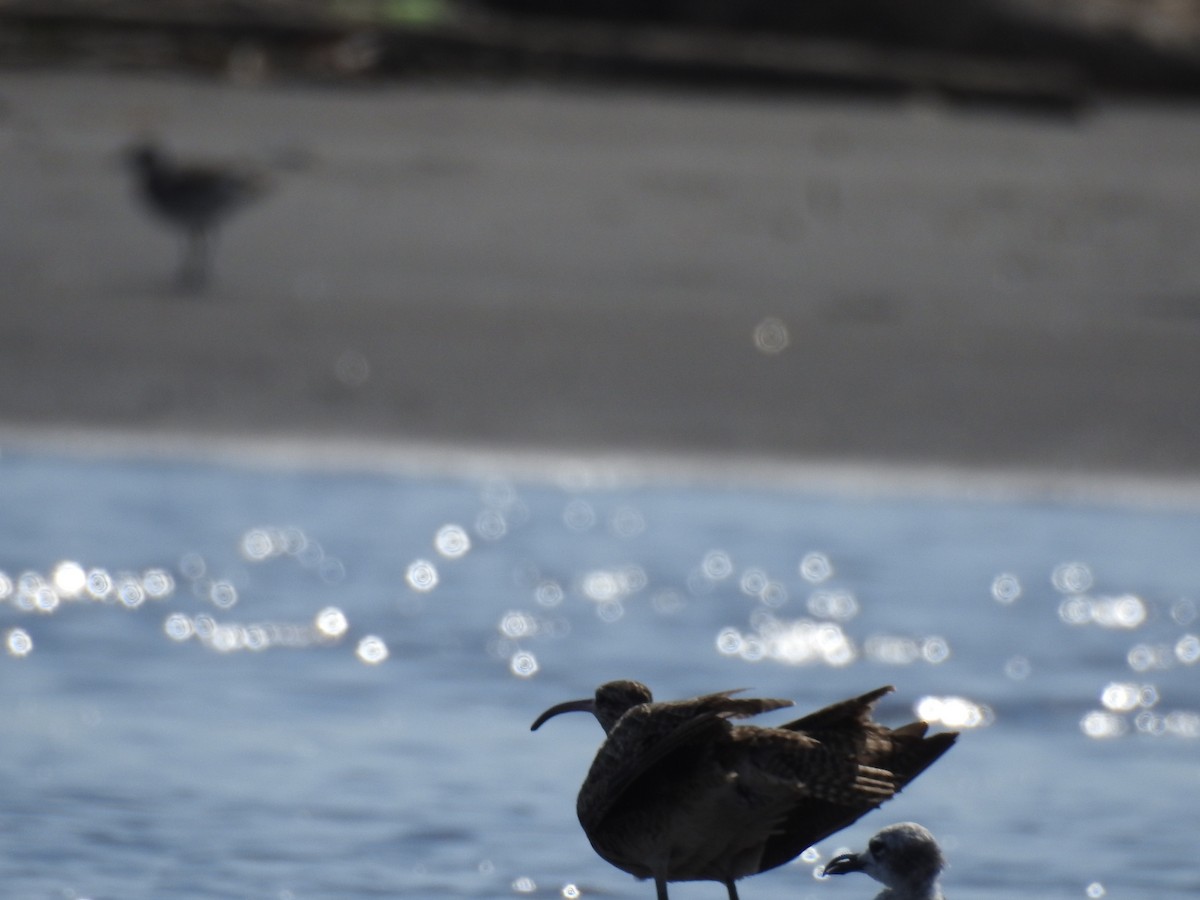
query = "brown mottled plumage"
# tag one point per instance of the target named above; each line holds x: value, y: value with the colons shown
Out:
x: 677, y: 793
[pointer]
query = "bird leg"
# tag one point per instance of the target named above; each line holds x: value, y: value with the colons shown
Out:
x: 193, y: 274
x: 732, y: 889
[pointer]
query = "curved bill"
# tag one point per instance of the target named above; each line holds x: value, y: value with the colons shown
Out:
x: 847, y: 862
x: 570, y: 706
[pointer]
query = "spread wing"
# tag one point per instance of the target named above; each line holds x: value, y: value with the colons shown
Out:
x: 655, y: 743
x: 860, y: 764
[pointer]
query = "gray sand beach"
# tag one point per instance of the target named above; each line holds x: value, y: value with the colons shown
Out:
x: 613, y: 271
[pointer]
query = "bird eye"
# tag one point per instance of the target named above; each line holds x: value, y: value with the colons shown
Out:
x: 877, y: 848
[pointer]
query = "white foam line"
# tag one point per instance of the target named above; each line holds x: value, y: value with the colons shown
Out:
x: 608, y: 468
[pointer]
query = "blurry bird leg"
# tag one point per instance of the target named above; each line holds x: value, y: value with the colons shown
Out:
x: 193, y: 274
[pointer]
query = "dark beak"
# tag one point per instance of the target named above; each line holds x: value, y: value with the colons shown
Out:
x: 570, y: 706
x: 847, y: 862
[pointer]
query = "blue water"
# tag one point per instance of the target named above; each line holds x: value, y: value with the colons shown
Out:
x: 223, y: 681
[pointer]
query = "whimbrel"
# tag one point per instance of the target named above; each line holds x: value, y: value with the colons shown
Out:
x: 192, y: 198
x: 677, y: 793
x: 905, y: 858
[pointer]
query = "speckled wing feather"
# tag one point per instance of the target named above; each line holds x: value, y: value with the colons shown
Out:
x: 839, y: 716
x: 823, y: 769
x: 648, y: 735
x: 884, y: 761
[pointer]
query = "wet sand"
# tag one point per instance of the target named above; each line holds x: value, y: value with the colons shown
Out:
x: 585, y: 271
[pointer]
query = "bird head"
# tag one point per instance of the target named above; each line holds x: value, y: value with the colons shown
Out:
x: 903, y: 857
x: 143, y: 157
x: 611, y: 701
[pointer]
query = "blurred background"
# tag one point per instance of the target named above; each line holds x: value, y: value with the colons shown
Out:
x: 931, y: 233
x: 376, y: 373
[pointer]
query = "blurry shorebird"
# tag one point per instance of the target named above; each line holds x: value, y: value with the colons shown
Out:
x: 194, y: 199
x: 677, y: 793
x: 905, y: 858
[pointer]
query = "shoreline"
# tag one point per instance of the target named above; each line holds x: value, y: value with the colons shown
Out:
x: 606, y: 469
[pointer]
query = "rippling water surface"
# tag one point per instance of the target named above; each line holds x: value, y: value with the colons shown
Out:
x: 238, y: 682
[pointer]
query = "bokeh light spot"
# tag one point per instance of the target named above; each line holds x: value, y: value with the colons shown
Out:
x: 99, y: 584
x: 45, y: 599
x: 331, y: 622
x: 935, y: 650
x: 548, y: 593
x: 771, y: 336
x: 421, y: 575
x: 1018, y: 668
x: 452, y: 541
x: 204, y: 626
x: 600, y: 586
x: 491, y: 525
x: 18, y: 642
x: 1187, y: 649
x: 225, y: 638
x: 754, y: 581
x: 716, y: 565
x: 69, y: 579
x: 1006, y: 588
x: 27, y: 587
x: 331, y: 570
x: 523, y: 664
x: 192, y: 566
x: 1126, y: 696
x: 729, y: 642
x: 1145, y: 657
x: 668, y: 601
x: 1183, y: 724
x: 498, y: 493
x: 178, y: 627
x: 1126, y: 612
x: 291, y: 540
x: 1101, y: 725
x: 891, y: 650
x: 610, y: 610
x: 255, y: 637
x: 1072, y: 578
x: 257, y: 545
x: 796, y: 643
x: 371, y: 650
x: 774, y: 595
x: 954, y: 712
x: 627, y: 522
x: 1184, y: 612
x: 815, y: 567
x: 841, y: 606
x: 129, y: 591
x: 158, y: 584
x: 578, y: 515
x: 222, y: 594
x: 516, y: 624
